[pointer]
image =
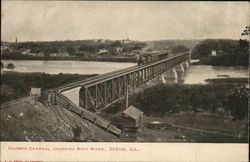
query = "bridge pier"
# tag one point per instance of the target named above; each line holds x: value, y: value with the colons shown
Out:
x: 186, y: 64
x: 170, y: 76
x: 176, y: 74
x: 180, y: 68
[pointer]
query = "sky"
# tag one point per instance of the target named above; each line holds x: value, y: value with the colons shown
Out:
x: 148, y: 20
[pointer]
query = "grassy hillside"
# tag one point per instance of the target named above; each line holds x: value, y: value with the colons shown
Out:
x: 21, y: 120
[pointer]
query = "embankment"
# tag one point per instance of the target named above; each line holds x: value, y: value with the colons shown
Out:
x: 22, y: 120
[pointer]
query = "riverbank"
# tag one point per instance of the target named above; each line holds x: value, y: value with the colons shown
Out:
x: 173, y: 98
x: 222, y: 52
x: 15, y: 85
x: 200, y: 107
x: 225, y: 60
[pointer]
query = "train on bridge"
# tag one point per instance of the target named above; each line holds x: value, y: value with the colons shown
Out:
x: 146, y: 58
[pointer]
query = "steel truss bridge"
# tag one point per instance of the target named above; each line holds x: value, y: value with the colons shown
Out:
x: 103, y: 90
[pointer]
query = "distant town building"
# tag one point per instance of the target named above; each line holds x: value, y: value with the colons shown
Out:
x: 40, y: 54
x: 5, y: 47
x: 119, y: 49
x: 26, y: 52
x: 213, y: 53
x: 217, y: 52
x: 126, y: 41
x: 59, y: 55
x: 102, y: 51
x: 134, y: 115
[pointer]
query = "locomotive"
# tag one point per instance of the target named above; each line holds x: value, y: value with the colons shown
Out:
x: 151, y: 57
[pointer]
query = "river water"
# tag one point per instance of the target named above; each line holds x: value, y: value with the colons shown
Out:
x: 67, y: 67
x: 195, y: 74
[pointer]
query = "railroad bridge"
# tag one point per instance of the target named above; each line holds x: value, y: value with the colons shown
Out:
x: 103, y: 90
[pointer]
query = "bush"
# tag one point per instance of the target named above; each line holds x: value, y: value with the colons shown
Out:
x: 16, y: 85
x: 10, y: 66
x: 165, y: 98
x: 237, y: 102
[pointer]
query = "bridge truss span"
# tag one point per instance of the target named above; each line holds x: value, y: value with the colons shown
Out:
x: 103, y: 91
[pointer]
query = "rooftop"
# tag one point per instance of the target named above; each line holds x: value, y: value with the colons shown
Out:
x: 133, y: 112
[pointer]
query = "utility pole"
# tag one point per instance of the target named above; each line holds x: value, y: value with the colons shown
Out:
x: 127, y: 95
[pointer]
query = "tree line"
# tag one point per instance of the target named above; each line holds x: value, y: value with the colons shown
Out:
x: 228, y: 52
x: 77, y: 47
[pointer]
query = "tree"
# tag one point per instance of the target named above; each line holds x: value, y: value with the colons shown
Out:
x: 88, y: 48
x: 10, y: 66
x: 71, y: 50
x: 244, y: 45
x: 116, y: 44
x: 179, y: 49
x: 77, y: 133
x: 237, y: 102
x: 1, y: 65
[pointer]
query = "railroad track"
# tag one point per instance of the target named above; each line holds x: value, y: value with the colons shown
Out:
x: 109, y: 75
x: 92, y: 79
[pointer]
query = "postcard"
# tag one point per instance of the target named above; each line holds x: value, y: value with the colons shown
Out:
x: 124, y: 81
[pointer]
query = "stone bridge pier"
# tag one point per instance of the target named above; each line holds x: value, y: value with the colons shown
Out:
x: 175, y: 74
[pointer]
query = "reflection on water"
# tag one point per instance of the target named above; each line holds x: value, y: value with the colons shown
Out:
x: 197, y: 74
x: 67, y: 67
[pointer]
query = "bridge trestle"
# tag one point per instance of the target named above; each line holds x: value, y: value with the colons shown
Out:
x: 98, y: 95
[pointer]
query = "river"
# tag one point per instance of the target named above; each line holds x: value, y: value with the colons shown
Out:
x: 195, y: 74
x: 67, y: 67
x: 198, y: 74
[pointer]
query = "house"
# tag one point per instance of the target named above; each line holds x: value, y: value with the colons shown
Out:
x: 119, y: 49
x: 59, y: 55
x: 6, y: 48
x: 125, y: 41
x: 213, y: 53
x: 134, y: 115
x: 102, y: 51
x: 40, y: 54
x: 26, y: 52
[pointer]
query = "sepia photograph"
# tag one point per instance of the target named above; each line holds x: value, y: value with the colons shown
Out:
x: 122, y: 72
